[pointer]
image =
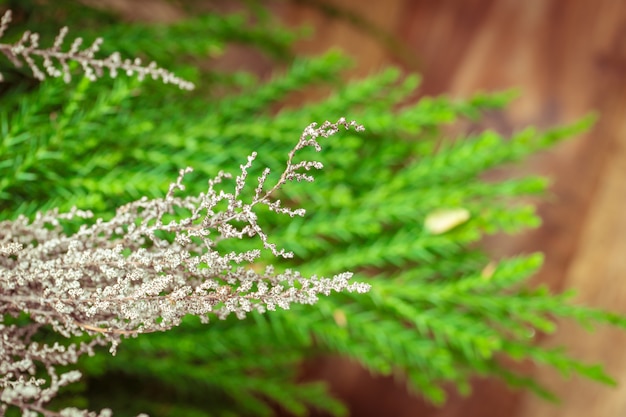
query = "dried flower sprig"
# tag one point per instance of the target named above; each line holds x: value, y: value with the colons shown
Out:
x: 27, y: 49
x: 142, y: 271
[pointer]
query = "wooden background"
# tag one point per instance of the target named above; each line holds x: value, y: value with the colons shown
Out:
x: 568, y: 58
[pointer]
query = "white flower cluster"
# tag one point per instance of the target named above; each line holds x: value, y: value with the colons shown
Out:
x: 140, y: 272
x: 27, y: 48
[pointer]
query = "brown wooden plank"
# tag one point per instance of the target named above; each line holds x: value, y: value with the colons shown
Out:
x: 568, y: 58
x: 597, y: 272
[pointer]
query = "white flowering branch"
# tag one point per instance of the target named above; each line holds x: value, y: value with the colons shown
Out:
x: 140, y: 272
x: 27, y: 49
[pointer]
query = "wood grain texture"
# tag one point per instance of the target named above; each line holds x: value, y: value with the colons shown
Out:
x: 597, y: 271
x: 567, y: 58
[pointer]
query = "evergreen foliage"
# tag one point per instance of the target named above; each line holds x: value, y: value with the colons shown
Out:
x: 440, y: 310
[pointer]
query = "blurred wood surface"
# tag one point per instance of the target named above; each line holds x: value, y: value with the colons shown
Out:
x: 568, y: 59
